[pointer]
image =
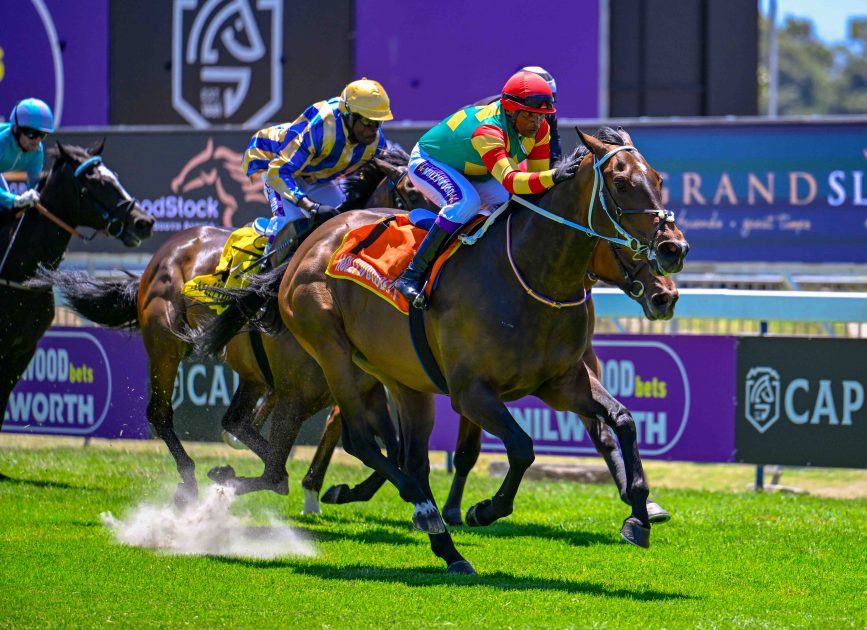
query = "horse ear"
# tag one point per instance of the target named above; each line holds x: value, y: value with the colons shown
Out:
x: 591, y: 142
x: 627, y: 139
x: 64, y: 154
x: 96, y: 149
x: 391, y: 171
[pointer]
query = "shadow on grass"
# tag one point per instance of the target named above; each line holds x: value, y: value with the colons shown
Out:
x: 39, y: 483
x: 501, y: 529
x: 416, y: 576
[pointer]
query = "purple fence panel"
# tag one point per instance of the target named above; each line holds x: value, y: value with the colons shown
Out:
x: 86, y: 382
x: 57, y: 51
x: 435, y: 60
x: 680, y: 390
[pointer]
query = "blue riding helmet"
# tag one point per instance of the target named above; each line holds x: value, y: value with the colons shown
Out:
x: 34, y: 114
x: 549, y: 79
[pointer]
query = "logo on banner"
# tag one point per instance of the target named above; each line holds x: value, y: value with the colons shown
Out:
x: 649, y: 377
x: 204, y: 385
x: 208, y: 190
x: 226, y: 61
x: 65, y: 389
x: 762, y: 397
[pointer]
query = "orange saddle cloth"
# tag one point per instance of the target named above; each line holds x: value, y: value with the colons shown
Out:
x: 374, y: 255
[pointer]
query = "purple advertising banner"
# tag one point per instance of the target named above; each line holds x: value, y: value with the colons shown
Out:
x: 435, y: 58
x: 86, y: 382
x: 680, y: 390
x: 56, y: 50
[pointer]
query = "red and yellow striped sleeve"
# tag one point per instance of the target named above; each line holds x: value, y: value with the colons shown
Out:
x: 540, y: 157
x: 490, y: 143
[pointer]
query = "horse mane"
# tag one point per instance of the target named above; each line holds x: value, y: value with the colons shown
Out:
x: 359, y: 185
x: 608, y: 135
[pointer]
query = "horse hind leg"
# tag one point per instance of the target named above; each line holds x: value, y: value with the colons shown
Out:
x: 416, y: 413
x: 467, y: 450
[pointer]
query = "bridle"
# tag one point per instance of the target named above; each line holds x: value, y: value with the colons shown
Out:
x: 630, y: 242
x: 630, y: 283
x: 116, y: 218
x: 115, y: 222
x: 396, y: 197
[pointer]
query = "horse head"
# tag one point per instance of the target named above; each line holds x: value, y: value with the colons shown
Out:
x: 402, y: 187
x: 92, y: 195
x: 656, y: 294
x: 625, y: 202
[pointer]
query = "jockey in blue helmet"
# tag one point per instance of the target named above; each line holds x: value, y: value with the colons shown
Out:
x: 21, y: 150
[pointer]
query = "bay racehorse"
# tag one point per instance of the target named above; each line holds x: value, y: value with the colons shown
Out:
x: 508, y: 320
x: 79, y: 191
x: 274, y: 367
x: 657, y: 296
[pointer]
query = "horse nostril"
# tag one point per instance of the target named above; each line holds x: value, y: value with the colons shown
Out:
x: 660, y: 299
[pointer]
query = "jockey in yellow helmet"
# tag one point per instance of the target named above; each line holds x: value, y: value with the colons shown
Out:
x: 302, y: 160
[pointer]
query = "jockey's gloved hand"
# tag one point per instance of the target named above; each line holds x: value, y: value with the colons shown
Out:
x: 321, y: 213
x: 27, y: 199
x: 566, y: 170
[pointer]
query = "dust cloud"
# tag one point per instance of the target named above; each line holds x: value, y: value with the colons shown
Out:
x: 206, y: 528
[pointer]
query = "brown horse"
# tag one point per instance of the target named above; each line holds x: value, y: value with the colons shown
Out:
x: 154, y: 304
x: 78, y: 191
x: 656, y: 294
x: 492, y: 345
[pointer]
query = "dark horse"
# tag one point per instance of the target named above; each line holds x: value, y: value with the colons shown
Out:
x: 501, y: 343
x: 656, y: 294
x: 278, y: 367
x: 80, y: 191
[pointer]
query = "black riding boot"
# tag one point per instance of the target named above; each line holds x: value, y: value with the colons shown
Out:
x: 409, y: 282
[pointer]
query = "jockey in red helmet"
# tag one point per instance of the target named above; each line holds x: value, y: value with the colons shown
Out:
x: 470, y: 161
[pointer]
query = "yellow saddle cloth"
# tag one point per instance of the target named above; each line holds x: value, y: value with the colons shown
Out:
x: 239, y: 256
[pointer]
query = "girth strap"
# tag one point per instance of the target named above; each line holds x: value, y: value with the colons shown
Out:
x: 375, y: 233
x: 261, y: 356
x: 422, y: 349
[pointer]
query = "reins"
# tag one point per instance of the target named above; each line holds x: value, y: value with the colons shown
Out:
x: 628, y: 241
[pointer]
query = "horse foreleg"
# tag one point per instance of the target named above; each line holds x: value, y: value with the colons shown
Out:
x: 315, y: 477
x: 580, y: 391
x: 467, y: 450
x: 482, y: 407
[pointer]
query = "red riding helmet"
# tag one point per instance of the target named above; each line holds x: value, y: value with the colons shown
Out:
x: 529, y: 92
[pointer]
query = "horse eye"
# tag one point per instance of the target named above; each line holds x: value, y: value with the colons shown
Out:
x: 620, y: 183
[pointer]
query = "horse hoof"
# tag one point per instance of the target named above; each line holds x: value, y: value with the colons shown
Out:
x: 656, y: 513
x: 635, y: 534
x: 221, y: 474
x: 185, y: 495
x: 335, y: 494
x: 461, y: 567
x: 426, y: 518
x: 232, y: 441
x: 311, y: 502
x: 473, y: 514
x: 453, y: 516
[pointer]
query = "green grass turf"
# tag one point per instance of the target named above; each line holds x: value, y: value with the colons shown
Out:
x: 727, y: 559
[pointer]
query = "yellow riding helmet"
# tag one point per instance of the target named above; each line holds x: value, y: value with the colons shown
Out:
x: 367, y: 98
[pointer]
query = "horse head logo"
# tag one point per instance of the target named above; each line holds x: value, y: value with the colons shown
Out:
x: 762, y: 402
x: 226, y: 60
x: 219, y: 167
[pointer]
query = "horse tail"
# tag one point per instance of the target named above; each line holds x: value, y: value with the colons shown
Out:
x: 254, y: 304
x: 110, y: 303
